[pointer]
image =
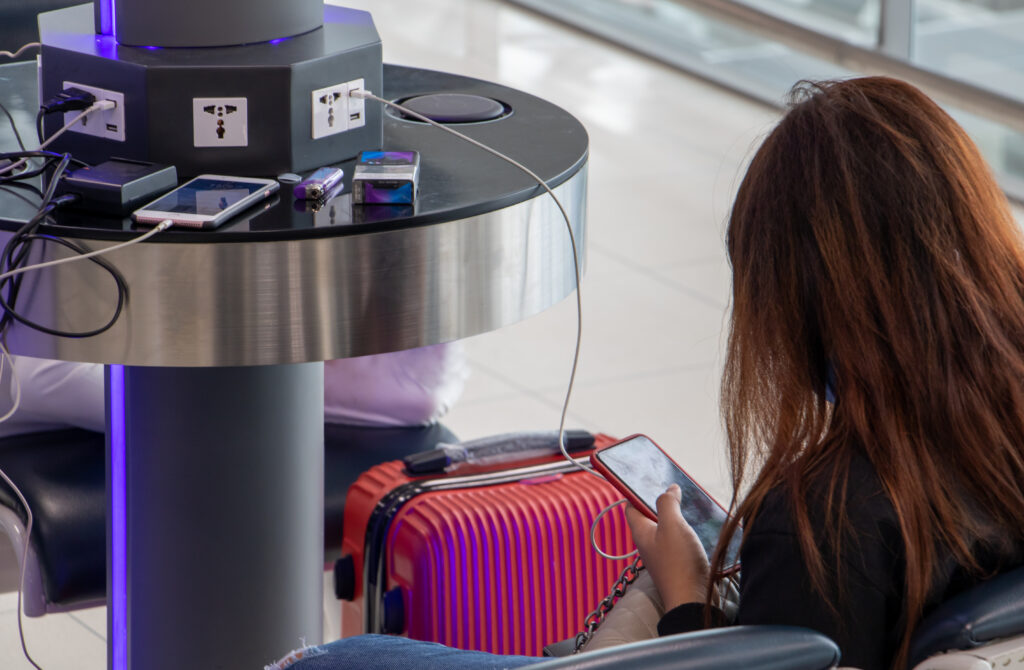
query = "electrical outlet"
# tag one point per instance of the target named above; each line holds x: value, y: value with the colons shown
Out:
x: 334, y: 112
x: 330, y: 110
x: 105, y: 123
x: 220, y: 122
x: 356, y: 106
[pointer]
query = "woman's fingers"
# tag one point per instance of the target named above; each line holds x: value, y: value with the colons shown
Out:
x: 669, y: 505
x: 637, y: 519
x: 642, y: 529
x: 671, y: 550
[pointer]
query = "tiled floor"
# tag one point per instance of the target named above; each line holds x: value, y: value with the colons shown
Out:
x: 666, y: 153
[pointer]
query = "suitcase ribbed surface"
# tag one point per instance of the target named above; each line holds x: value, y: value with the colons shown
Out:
x: 505, y: 568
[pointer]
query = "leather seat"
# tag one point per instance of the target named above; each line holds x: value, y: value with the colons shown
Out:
x: 988, y: 612
x: 750, y: 647
x: 62, y: 475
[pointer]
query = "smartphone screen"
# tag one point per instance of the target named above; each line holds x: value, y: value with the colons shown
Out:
x: 205, y: 196
x: 206, y: 201
x: 646, y: 471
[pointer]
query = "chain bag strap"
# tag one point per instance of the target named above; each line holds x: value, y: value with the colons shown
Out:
x: 643, y: 609
x: 594, y: 620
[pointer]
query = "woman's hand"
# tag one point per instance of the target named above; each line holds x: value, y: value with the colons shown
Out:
x: 671, y: 551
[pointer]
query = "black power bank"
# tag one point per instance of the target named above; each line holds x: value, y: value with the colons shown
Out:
x: 119, y: 185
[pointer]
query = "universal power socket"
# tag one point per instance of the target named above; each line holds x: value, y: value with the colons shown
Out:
x: 330, y: 110
x: 333, y: 111
x: 105, y: 123
x: 220, y: 122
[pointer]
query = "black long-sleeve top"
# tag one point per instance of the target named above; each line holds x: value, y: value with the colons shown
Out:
x: 775, y: 585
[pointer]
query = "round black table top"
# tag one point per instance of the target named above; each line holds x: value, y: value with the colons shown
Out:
x: 483, y: 247
x: 457, y: 180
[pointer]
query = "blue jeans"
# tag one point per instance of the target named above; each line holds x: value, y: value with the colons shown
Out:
x: 387, y: 652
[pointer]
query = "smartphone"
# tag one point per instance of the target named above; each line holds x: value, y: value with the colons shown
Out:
x: 206, y: 201
x: 642, y: 471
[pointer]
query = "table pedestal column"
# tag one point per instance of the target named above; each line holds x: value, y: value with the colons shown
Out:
x: 215, y: 494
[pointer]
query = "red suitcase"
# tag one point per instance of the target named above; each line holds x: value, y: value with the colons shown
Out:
x: 496, y: 561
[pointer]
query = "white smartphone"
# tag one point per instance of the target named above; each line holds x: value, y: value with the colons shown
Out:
x: 206, y: 201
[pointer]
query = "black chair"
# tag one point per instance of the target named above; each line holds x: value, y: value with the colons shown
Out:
x: 981, y: 628
x: 974, y: 629
x: 747, y: 647
x: 62, y: 476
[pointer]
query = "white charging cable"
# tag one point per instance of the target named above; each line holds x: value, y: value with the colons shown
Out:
x: 160, y: 227
x: 7, y: 360
x: 94, y: 107
x: 366, y: 95
x: 17, y: 53
x: 593, y: 533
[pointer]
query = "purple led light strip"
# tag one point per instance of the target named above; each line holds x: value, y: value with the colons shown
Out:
x: 118, y: 521
x: 106, y: 9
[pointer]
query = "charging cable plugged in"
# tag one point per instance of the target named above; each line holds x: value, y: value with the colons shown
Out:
x: 363, y: 94
x: 7, y: 362
x: 69, y: 100
x: 159, y: 228
x: 102, y: 105
x: 75, y: 98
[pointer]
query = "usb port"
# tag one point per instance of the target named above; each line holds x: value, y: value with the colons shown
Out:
x: 112, y: 127
x: 354, y: 116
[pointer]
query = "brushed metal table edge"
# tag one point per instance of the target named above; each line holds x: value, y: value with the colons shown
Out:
x: 296, y: 301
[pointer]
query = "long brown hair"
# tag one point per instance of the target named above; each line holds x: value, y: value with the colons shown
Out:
x: 871, y: 245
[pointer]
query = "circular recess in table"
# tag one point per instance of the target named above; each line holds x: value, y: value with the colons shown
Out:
x: 452, y: 108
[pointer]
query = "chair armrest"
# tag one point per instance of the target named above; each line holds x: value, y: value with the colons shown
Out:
x: 989, y: 611
x: 760, y: 647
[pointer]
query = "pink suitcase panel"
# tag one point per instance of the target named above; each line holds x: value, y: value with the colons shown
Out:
x: 505, y: 566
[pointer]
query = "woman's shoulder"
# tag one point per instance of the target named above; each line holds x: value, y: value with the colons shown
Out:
x: 851, y: 488
x: 850, y: 501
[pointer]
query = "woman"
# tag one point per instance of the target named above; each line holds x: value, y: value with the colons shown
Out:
x: 874, y: 387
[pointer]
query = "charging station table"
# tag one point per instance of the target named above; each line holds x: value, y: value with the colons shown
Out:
x: 215, y: 367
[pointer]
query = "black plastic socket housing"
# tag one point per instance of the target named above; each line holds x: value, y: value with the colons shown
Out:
x: 159, y: 84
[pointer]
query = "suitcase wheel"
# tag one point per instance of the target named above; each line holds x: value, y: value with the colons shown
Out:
x: 394, y: 612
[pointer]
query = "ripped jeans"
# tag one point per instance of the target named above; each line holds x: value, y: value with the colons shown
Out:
x: 387, y: 652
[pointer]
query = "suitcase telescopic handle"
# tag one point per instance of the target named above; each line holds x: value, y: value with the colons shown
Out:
x: 496, y: 450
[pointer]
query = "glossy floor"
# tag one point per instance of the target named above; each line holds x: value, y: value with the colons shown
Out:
x: 666, y: 153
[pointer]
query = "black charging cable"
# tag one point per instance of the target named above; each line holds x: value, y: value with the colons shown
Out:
x: 68, y: 100
x: 50, y: 160
x: 16, y: 251
x: 46, y: 206
x: 122, y: 292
